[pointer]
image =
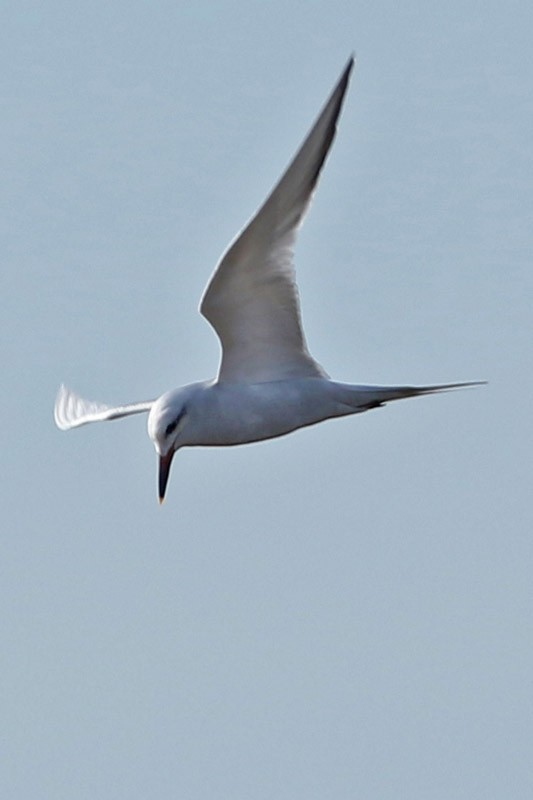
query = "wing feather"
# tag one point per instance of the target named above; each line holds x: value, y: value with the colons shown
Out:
x: 252, y: 299
x: 71, y: 410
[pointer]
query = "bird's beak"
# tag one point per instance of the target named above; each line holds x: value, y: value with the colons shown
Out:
x: 164, y: 472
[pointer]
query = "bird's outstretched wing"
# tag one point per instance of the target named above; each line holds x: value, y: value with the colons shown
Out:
x: 71, y: 410
x: 252, y: 299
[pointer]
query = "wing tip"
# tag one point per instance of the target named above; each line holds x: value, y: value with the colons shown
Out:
x: 71, y: 410
x: 64, y: 399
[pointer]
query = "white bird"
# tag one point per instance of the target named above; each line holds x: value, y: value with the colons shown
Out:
x: 268, y: 383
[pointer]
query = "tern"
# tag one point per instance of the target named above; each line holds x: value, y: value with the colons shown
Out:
x: 268, y: 383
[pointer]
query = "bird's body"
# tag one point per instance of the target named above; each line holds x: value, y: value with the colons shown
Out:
x: 224, y: 414
x: 268, y: 383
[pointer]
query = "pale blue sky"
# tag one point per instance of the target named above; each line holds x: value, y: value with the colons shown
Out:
x: 344, y: 613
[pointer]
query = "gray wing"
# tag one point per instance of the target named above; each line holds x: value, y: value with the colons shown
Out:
x: 71, y: 410
x: 252, y: 299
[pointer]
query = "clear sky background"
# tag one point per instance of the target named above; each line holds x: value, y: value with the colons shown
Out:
x: 344, y: 613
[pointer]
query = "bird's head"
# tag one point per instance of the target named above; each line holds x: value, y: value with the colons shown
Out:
x: 166, y: 421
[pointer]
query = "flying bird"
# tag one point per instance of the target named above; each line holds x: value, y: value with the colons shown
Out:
x: 268, y: 383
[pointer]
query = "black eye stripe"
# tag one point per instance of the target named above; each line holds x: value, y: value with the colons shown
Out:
x: 171, y: 427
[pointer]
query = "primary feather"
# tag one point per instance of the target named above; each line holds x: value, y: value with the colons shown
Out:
x: 71, y: 410
x: 252, y: 299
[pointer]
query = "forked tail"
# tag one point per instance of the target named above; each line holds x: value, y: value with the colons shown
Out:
x: 367, y: 397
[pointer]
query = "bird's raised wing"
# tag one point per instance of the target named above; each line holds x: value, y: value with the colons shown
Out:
x: 252, y: 299
x: 71, y: 410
